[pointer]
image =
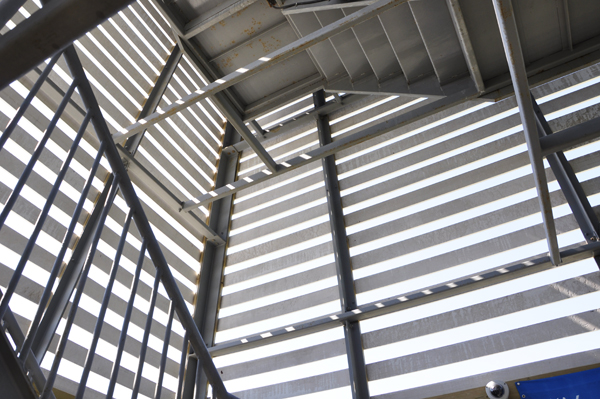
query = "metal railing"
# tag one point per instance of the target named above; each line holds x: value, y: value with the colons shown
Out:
x: 31, y: 347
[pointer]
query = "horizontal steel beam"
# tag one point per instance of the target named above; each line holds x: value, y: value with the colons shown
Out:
x: 49, y: 31
x: 539, y: 72
x: 284, y: 96
x: 227, y: 107
x: 261, y: 64
x: 326, y: 5
x: 416, y: 112
x: 410, y: 300
x: 214, y: 16
x: 559, y: 141
x: 569, y: 184
x: 209, y: 73
x: 548, y: 68
x: 571, y: 137
x: 301, y: 120
x: 164, y: 197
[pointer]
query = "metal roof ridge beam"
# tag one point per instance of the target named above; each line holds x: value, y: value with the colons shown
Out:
x: 465, y: 43
x: 552, y: 67
x: 262, y: 63
x: 216, y: 15
x: 516, y: 65
x: 171, y: 16
x: 199, y: 60
x: 395, y: 86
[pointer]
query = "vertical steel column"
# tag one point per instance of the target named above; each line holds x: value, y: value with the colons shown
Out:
x: 143, y: 225
x: 569, y: 184
x: 354, y: 348
x: 516, y: 64
x: 211, y: 269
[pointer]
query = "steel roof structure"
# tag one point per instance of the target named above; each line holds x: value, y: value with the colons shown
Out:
x: 276, y: 199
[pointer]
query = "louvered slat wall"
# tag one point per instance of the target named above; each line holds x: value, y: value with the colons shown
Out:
x: 445, y: 198
x: 122, y: 59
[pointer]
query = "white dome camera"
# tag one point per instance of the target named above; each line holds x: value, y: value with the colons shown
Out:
x: 496, y: 390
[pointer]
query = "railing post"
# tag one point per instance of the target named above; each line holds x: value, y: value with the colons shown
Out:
x: 143, y: 226
x: 68, y: 281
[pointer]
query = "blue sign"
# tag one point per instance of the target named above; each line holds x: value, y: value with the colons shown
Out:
x: 581, y: 385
